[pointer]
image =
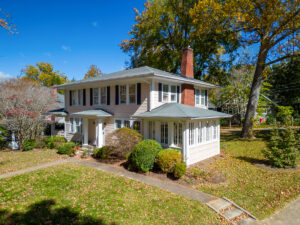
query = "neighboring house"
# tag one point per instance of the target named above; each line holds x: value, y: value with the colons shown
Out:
x: 167, y: 107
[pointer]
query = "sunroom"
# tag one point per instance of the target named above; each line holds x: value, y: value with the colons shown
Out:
x: 194, y: 130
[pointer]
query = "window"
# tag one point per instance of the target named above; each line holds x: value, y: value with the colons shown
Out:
x: 215, y: 127
x: 165, y: 93
x: 200, y: 97
x: 80, y: 96
x: 75, y: 125
x: 96, y: 96
x: 127, y: 123
x: 137, y: 126
x: 74, y: 97
x: 123, y: 94
x: 99, y: 96
x: 178, y: 134
x: 164, y: 133
x: 103, y: 95
x: 151, y: 130
x: 173, y: 94
x: 207, y: 132
x: 133, y: 124
x: 191, y: 134
x: 200, y: 138
x: 132, y: 94
x: 118, y: 124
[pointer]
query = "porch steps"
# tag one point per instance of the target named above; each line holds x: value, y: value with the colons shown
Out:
x: 88, y: 147
x: 233, y: 213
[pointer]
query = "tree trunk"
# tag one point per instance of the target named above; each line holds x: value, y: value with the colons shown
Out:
x: 257, y: 82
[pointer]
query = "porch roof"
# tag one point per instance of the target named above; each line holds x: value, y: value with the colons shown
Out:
x: 93, y: 112
x: 58, y: 112
x: 176, y: 110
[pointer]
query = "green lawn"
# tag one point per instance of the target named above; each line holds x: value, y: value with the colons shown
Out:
x: 15, y: 160
x: 257, y: 190
x: 74, y: 194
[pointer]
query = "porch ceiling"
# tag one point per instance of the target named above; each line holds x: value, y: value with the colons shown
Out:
x: 175, y: 110
x: 93, y: 112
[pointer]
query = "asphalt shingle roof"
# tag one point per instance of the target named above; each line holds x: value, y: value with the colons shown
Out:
x: 93, y: 112
x: 140, y: 71
x: 176, y: 110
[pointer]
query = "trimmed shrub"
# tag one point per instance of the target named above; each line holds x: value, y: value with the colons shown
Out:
x: 122, y: 141
x: 28, y: 145
x: 167, y: 159
x: 66, y: 149
x: 54, y: 141
x: 283, y: 149
x: 143, y: 156
x: 101, y: 153
x: 179, y: 170
x: 40, y: 143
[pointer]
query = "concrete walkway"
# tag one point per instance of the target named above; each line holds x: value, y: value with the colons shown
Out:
x: 18, y: 172
x: 290, y: 215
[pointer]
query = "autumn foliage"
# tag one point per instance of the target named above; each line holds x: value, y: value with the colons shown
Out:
x: 22, y: 105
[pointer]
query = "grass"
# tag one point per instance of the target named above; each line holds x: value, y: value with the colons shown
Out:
x: 74, y: 194
x: 12, y: 160
x: 258, y: 190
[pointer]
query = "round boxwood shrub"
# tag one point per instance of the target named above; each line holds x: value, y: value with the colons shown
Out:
x: 54, y: 141
x: 143, y: 156
x: 28, y: 145
x: 167, y: 158
x: 179, y: 170
x: 101, y: 153
x: 66, y: 149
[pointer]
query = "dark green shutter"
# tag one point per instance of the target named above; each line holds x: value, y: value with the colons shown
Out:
x: 91, y: 96
x: 178, y: 94
x: 160, y: 92
x: 117, y: 95
x: 108, y: 95
x: 206, y: 100
x: 70, y: 97
x: 138, y: 97
x: 83, y: 95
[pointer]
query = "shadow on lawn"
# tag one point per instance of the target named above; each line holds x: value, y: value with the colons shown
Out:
x: 236, y: 135
x: 41, y: 213
x: 254, y: 160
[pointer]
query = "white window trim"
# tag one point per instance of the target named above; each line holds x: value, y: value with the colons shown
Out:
x: 100, y: 96
x: 164, y: 144
x: 77, y: 97
x: 127, y: 94
x: 123, y: 123
x: 73, y: 125
x: 169, y: 93
x: 200, y: 97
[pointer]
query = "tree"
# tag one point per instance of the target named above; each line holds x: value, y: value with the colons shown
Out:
x: 44, y: 74
x: 285, y: 81
x: 271, y: 25
x: 22, y: 105
x: 163, y: 29
x: 5, y: 23
x: 93, y: 71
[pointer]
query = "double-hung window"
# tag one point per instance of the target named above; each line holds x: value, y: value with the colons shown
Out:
x: 177, y: 134
x: 164, y: 138
x: 197, y: 96
x: 133, y: 124
x: 200, y: 97
x: 151, y: 127
x: 215, y: 130
x: 99, y: 96
x: 169, y: 93
x: 200, y: 133
x: 191, y: 133
x: 208, y: 134
x: 74, y: 97
x: 123, y: 94
x: 132, y: 93
x: 75, y: 125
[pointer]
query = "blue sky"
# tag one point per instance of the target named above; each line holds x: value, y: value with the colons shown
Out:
x: 71, y: 35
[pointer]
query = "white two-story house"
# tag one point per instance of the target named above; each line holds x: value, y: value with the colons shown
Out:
x: 170, y: 108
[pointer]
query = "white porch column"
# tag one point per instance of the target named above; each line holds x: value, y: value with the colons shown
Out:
x: 99, y: 133
x: 185, y: 142
x: 85, y: 129
x: 152, y: 90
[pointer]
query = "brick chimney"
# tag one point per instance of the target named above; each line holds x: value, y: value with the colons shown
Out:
x: 187, y: 70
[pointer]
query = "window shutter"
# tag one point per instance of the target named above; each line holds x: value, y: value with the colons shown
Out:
x: 117, y: 95
x: 138, y: 90
x: 83, y: 95
x: 159, y: 92
x: 178, y: 94
x: 206, y: 97
x: 91, y: 96
x: 70, y: 97
x: 108, y: 95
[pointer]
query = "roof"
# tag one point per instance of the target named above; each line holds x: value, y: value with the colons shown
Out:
x: 93, y: 112
x: 137, y: 72
x: 176, y: 110
x: 59, y: 112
